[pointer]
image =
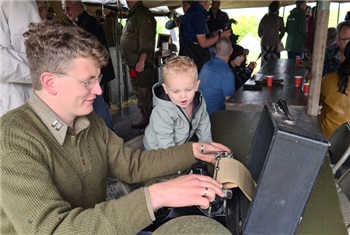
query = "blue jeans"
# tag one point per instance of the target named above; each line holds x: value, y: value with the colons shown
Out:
x: 101, y: 109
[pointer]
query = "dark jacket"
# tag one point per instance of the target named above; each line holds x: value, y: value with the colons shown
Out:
x: 216, y: 22
x: 93, y: 26
x: 296, y: 29
x: 271, y: 30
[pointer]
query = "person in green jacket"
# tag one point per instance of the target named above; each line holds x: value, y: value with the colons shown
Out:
x: 56, y: 153
x: 296, y: 29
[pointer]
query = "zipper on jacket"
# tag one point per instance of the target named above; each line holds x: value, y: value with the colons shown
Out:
x: 190, y: 129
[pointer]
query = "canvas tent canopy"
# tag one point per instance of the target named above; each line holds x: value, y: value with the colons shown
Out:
x: 225, y: 4
x: 163, y: 7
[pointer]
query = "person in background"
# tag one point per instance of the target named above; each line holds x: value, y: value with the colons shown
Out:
x: 179, y: 109
x: 42, y: 8
x: 194, y: 33
x: 271, y: 31
x: 235, y: 61
x: 308, y: 11
x: 310, y: 31
x: 216, y: 18
x: 244, y: 71
x: 51, y: 13
x: 76, y: 13
x: 176, y: 22
x: 15, y: 83
x: 137, y: 46
x: 217, y: 82
x: 57, y: 154
x: 296, y: 29
x: 347, y: 16
x: 112, y: 28
x: 331, y: 38
x: 335, y: 55
x: 335, y: 96
x: 100, y: 16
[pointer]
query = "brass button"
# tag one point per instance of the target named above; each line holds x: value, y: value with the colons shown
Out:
x: 72, y: 137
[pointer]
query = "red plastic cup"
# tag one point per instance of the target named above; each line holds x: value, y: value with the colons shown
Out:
x: 132, y: 73
x: 298, y: 60
x: 269, y: 80
x: 306, y: 88
x: 297, y: 81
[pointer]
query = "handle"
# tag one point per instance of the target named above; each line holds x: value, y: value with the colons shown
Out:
x: 283, y: 105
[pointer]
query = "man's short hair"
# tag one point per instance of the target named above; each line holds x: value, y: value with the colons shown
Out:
x: 274, y: 6
x: 223, y: 47
x: 343, y: 24
x: 187, y: 2
x: 51, y: 46
x: 298, y: 3
x: 44, y: 4
x: 331, y: 33
x: 76, y: 3
x: 179, y: 64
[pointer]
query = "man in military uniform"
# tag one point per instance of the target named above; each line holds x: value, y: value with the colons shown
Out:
x: 137, y: 46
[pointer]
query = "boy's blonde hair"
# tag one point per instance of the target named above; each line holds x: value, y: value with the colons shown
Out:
x: 179, y: 64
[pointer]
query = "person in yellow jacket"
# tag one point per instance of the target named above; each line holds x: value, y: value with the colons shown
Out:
x: 335, y: 96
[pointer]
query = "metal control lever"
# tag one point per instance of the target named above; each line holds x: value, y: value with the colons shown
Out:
x: 227, y: 193
x: 283, y: 105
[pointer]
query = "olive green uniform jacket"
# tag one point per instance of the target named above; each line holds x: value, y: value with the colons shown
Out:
x: 53, y: 178
x: 139, y: 35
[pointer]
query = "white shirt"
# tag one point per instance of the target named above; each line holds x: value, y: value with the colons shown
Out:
x: 15, y: 82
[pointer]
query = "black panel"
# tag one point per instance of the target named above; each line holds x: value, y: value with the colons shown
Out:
x: 285, y: 160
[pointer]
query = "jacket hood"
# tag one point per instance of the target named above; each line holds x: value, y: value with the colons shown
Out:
x: 161, y: 98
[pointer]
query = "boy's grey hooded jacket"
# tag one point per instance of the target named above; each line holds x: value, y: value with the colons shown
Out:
x: 170, y: 125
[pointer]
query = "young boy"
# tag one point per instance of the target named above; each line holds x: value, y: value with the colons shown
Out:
x: 179, y: 109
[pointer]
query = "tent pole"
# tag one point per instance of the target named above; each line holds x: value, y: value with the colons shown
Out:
x: 338, y: 13
x: 318, y: 56
x: 120, y: 72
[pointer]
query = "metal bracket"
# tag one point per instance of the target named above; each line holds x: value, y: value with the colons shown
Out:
x: 227, y: 193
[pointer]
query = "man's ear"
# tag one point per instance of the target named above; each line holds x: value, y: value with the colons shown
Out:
x: 48, y: 82
x: 165, y: 88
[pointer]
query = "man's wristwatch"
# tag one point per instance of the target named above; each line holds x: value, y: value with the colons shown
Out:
x: 219, y: 33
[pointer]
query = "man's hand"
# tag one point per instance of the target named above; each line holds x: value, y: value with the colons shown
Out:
x: 140, y: 65
x: 207, y: 151
x: 187, y: 190
x: 252, y: 65
x: 225, y: 33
